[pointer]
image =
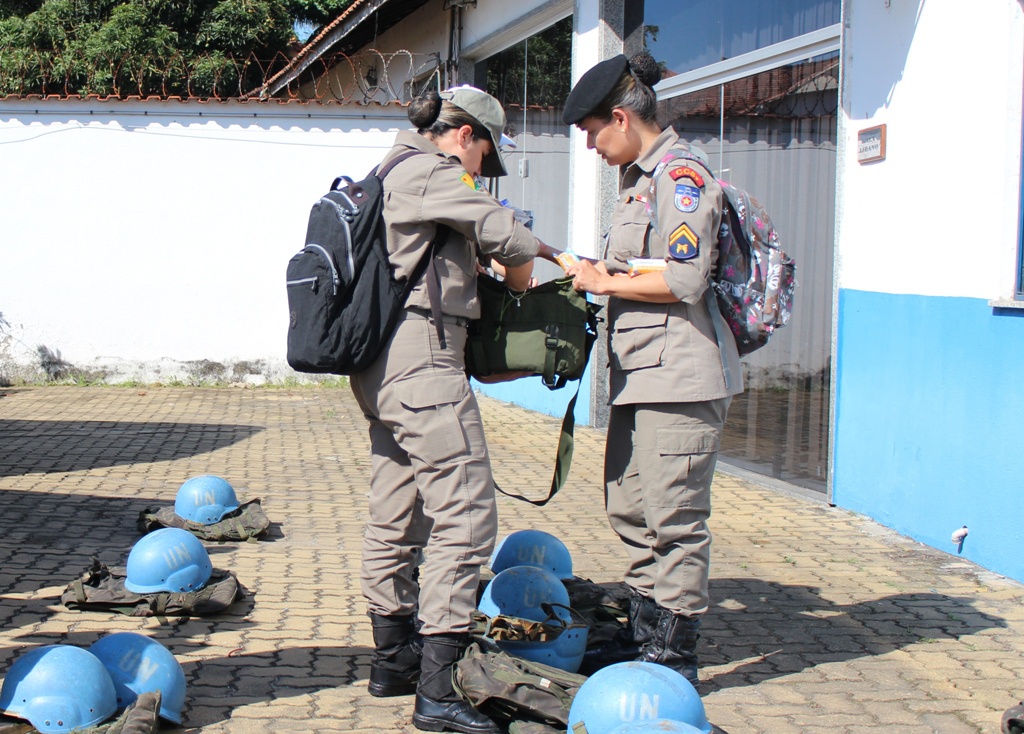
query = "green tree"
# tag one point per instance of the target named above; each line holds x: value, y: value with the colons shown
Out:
x: 149, y: 47
x: 546, y: 62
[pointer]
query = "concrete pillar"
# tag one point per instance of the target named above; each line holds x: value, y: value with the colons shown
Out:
x: 600, y: 28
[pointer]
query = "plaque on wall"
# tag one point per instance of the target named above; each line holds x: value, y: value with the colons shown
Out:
x: 871, y: 144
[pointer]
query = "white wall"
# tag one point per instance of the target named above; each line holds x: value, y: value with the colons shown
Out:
x: 141, y: 235
x: 145, y: 239
x: 140, y: 238
x: 939, y: 215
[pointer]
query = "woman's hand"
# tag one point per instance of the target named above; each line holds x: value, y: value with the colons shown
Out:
x: 646, y: 287
x: 589, y: 276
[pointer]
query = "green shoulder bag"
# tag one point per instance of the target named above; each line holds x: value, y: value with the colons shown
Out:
x: 547, y: 330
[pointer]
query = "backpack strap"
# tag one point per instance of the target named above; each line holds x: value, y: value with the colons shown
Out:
x: 566, y: 441
x: 722, y: 332
x: 382, y: 171
x: 426, y: 265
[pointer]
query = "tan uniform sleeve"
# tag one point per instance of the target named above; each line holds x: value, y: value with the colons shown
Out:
x: 687, y: 215
x: 450, y: 198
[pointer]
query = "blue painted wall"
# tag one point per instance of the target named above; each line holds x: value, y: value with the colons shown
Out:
x: 929, y: 432
x: 530, y: 393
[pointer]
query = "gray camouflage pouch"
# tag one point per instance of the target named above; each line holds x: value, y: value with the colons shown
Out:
x: 101, y: 588
x: 248, y: 523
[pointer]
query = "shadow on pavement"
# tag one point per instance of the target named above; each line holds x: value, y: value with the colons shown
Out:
x: 767, y: 630
x: 31, y: 447
x: 266, y: 676
x: 49, y: 538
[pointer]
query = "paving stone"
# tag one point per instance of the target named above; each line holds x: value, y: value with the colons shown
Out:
x: 821, y: 620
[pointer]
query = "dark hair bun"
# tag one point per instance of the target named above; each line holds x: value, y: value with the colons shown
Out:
x: 425, y: 109
x: 645, y: 68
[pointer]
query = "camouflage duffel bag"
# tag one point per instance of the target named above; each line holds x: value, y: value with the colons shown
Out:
x: 141, y: 717
x: 604, y: 610
x: 248, y: 522
x: 527, y: 697
x: 101, y: 588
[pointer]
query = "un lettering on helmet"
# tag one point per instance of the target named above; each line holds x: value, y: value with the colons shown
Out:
x: 534, y: 548
x: 635, y: 693
x: 205, y: 499
x: 169, y: 559
x: 139, y: 664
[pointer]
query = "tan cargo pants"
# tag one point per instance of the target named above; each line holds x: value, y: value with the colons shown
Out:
x: 659, y: 462
x: 431, y: 488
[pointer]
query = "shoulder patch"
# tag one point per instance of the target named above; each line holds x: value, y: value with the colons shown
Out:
x: 687, y: 172
x: 684, y: 243
x: 687, y: 198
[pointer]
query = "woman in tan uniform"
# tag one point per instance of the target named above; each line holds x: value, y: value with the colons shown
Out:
x: 674, y: 364
x: 431, y: 491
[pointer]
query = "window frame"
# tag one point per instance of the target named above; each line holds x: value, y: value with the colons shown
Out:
x: 807, y: 46
x: 1018, y: 290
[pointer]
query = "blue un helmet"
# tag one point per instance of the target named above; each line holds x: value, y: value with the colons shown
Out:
x: 169, y: 559
x: 657, y: 726
x: 205, y: 499
x: 635, y: 693
x: 58, y: 688
x: 532, y: 548
x: 138, y: 664
x: 526, y: 592
x: 520, y: 591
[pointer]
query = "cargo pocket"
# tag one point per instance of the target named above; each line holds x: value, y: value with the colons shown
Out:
x: 638, y: 338
x: 431, y: 431
x: 691, y: 453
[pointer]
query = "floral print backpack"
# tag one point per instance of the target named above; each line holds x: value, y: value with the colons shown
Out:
x: 755, y: 280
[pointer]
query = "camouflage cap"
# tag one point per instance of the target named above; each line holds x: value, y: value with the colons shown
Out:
x: 489, y: 113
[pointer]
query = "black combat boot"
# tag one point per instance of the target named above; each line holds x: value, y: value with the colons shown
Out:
x: 627, y: 642
x: 395, y: 665
x: 643, y: 618
x: 438, y: 706
x: 674, y: 644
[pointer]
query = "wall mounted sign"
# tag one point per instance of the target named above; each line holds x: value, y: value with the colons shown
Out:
x: 871, y: 144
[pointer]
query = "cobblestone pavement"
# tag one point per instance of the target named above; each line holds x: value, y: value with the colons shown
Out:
x: 822, y: 621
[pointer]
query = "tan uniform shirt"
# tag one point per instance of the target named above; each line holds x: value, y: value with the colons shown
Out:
x: 426, y: 190
x: 669, y: 353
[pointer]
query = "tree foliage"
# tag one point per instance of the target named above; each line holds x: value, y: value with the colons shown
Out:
x: 148, y: 47
x: 536, y: 71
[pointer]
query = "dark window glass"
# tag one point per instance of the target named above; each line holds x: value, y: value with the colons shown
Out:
x: 774, y: 134
x: 531, y: 79
x: 687, y: 34
x: 536, y: 72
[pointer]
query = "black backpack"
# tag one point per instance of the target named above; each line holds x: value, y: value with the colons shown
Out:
x: 343, y: 299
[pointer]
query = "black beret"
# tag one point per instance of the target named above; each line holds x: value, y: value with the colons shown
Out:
x: 592, y: 88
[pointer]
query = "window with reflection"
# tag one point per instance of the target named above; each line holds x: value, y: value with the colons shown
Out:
x: 686, y: 35
x: 774, y: 134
